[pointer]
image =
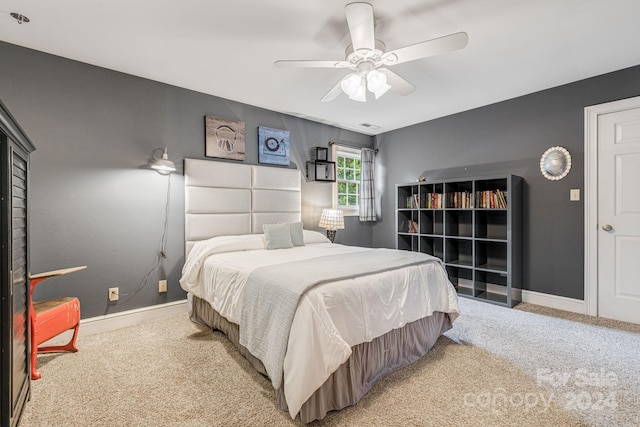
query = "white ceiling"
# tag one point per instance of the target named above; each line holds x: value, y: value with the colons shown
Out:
x: 227, y: 48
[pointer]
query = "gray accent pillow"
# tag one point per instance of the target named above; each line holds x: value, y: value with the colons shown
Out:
x: 277, y: 236
x: 297, y: 237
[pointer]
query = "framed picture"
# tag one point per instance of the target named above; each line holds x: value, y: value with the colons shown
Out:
x: 224, y: 139
x: 273, y: 146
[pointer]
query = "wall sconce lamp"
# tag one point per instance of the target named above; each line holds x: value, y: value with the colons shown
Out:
x: 163, y: 165
x: 332, y: 220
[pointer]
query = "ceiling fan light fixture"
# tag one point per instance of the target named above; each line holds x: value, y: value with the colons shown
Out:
x: 350, y: 84
x: 361, y: 93
x: 369, y: 58
x: 376, y: 81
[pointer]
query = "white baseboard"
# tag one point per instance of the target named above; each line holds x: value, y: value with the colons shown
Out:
x: 111, y: 322
x: 538, y: 298
x: 554, y: 301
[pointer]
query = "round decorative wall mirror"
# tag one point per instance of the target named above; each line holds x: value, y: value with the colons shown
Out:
x: 555, y: 163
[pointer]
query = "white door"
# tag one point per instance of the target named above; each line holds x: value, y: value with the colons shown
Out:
x: 619, y: 215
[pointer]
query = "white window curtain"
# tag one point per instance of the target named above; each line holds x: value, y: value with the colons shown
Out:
x: 367, y: 187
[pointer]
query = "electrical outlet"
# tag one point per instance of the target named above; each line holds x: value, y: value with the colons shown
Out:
x: 162, y: 286
x: 114, y: 293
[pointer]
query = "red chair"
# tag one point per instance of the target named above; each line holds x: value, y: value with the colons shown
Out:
x: 51, y: 318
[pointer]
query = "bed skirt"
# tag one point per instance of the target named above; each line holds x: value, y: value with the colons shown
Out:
x: 369, y: 362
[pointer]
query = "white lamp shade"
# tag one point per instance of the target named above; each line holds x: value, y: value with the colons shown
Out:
x: 376, y: 81
x: 331, y: 219
x: 355, y: 85
x: 360, y: 94
x: 350, y: 84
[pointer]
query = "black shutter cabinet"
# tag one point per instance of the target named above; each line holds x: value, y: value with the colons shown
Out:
x: 15, y: 148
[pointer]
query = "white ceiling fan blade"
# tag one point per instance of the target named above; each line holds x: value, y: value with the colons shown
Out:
x: 425, y: 49
x: 382, y: 91
x: 310, y: 64
x: 333, y: 93
x: 397, y: 83
x: 360, y: 20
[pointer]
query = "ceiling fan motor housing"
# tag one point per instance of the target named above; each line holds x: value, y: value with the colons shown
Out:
x: 354, y: 57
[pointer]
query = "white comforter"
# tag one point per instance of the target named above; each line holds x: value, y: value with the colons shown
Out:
x: 332, y: 317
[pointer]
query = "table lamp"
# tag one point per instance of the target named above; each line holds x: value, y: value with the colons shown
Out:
x: 332, y: 220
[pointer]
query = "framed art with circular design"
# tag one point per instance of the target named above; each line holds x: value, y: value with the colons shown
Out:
x: 273, y: 146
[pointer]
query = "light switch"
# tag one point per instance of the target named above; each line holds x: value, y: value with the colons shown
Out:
x: 574, y: 194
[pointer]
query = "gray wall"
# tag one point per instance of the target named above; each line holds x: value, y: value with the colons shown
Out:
x: 93, y: 204
x: 510, y: 137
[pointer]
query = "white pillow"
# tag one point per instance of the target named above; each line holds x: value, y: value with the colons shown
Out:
x: 297, y: 237
x: 314, y: 237
x: 277, y: 236
x: 230, y: 243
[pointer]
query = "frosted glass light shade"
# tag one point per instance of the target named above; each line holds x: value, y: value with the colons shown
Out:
x: 355, y: 85
x: 376, y: 81
x: 350, y: 84
x: 360, y: 94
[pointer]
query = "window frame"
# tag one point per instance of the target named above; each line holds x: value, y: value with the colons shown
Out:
x: 350, y: 152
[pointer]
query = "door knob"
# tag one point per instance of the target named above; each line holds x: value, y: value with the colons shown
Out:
x: 607, y: 227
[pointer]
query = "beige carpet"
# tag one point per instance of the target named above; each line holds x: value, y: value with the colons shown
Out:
x: 497, y: 367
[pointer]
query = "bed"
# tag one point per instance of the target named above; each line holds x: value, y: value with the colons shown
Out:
x: 324, y: 322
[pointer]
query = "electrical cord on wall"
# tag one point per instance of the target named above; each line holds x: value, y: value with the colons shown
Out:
x: 162, y: 254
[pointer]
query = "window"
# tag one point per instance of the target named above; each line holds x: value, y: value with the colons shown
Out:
x: 347, y: 179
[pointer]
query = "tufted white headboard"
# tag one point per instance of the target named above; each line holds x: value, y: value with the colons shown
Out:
x: 229, y: 198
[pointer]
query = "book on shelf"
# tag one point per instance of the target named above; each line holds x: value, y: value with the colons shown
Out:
x: 408, y: 226
x: 460, y: 200
x: 491, y: 199
x: 502, y: 196
x: 433, y: 201
x: 412, y: 202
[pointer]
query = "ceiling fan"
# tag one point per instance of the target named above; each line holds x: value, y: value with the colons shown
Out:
x: 368, y: 58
